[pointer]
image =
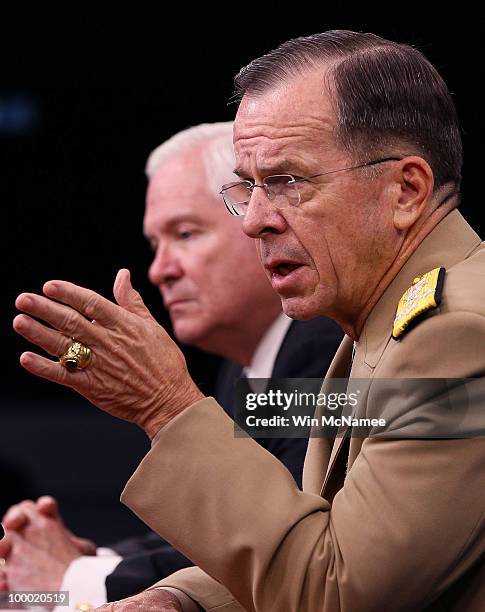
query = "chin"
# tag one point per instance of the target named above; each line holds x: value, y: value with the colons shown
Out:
x: 301, y: 309
x: 187, y: 332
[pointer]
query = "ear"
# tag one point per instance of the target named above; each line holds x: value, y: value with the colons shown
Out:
x: 414, y: 183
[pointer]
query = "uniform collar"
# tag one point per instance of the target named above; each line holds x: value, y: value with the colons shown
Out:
x: 451, y: 241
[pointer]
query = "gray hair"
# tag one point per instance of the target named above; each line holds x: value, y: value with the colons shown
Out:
x: 389, y: 98
x: 217, y: 154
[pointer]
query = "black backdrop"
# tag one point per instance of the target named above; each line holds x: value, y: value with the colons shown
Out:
x: 100, y: 85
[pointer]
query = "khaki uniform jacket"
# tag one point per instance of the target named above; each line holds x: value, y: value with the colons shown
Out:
x: 382, y: 525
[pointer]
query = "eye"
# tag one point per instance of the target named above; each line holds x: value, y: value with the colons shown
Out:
x: 184, y: 234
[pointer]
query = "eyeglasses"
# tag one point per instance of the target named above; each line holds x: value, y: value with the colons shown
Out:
x: 281, y: 189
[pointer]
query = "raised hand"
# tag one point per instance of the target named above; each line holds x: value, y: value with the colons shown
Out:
x: 136, y: 372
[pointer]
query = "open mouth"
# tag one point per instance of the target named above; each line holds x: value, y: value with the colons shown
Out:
x: 283, y: 273
x: 283, y: 269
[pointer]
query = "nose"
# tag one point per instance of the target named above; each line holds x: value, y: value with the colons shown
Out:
x: 262, y: 217
x: 165, y: 267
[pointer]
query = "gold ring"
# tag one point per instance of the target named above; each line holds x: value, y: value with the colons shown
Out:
x: 77, y: 356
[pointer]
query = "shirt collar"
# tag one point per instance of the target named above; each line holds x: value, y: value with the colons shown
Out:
x: 264, y: 357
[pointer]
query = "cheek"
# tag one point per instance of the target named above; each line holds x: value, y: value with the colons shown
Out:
x: 334, y: 233
x: 203, y: 267
x: 313, y: 239
x: 215, y: 285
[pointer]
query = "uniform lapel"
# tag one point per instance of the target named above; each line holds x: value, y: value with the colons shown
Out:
x: 319, y: 448
x: 451, y: 241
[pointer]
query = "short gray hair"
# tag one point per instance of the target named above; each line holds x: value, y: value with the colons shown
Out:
x: 389, y: 98
x: 217, y: 156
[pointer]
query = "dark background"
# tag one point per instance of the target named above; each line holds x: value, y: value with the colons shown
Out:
x: 87, y: 90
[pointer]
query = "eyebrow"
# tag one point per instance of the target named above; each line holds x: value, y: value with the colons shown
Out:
x: 174, y: 221
x: 285, y: 166
x: 181, y: 218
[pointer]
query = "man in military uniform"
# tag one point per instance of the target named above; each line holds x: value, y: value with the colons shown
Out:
x: 349, y: 154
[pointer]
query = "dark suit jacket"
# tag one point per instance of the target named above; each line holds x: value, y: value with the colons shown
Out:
x: 306, y: 352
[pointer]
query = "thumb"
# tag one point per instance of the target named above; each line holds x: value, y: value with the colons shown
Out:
x: 127, y: 297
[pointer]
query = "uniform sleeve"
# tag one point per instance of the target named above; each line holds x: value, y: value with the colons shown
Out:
x: 200, y: 587
x: 408, y: 521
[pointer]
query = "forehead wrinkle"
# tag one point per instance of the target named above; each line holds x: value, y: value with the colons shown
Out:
x: 290, y: 154
x: 254, y: 128
x: 303, y: 139
x: 296, y: 122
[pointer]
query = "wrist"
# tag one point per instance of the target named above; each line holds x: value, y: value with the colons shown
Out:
x: 182, y: 399
x: 185, y: 602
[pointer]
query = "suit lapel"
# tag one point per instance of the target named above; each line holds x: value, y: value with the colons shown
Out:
x: 225, y: 392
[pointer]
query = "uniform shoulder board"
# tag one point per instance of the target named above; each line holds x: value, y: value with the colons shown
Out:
x: 424, y: 294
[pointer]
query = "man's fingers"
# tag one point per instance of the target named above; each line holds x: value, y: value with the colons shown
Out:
x: 120, y: 606
x: 51, y: 370
x: 29, y: 510
x: 48, y: 506
x: 51, y: 340
x: 15, y: 520
x: 127, y: 297
x: 128, y: 605
x: 89, y: 303
x: 152, y: 600
x: 5, y: 547
x: 17, y: 516
x: 59, y: 316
